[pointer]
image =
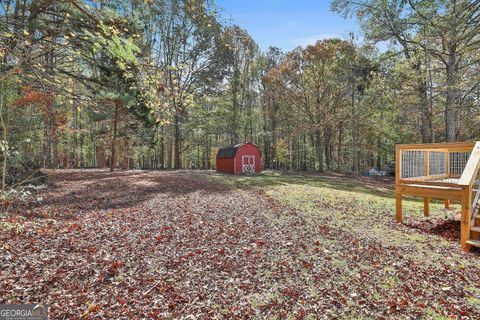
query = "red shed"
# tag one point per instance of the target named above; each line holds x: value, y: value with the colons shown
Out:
x: 242, y: 158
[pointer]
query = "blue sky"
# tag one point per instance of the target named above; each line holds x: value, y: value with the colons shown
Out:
x: 287, y: 23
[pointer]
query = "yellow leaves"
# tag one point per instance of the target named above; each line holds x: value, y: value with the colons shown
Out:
x: 7, y: 247
x: 26, y: 33
x: 163, y: 122
x: 114, y: 30
x: 92, y: 308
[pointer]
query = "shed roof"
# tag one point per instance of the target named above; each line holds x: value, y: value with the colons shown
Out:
x: 231, y: 151
x: 228, y: 152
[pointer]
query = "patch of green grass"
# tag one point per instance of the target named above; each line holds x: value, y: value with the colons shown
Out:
x: 376, y: 297
x: 274, y: 179
x: 473, y: 290
x: 390, y: 282
x: 9, y: 227
x: 417, y: 237
x: 366, y: 209
x: 433, y: 315
x: 473, y: 301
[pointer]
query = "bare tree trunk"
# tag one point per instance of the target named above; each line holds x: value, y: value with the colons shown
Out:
x: 75, y: 140
x: 339, y: 148
x: 423, y: 106
x: 378, y: 161
x: 266, y: 142
x: 356, y: 169
x: 425, y: 112
x: 304, y: 161
x: 47, y: 150
x: 319, y: 142
x: 55, y: 146
x: 5, y: 144
x: 162, y: 148
x: 114, y: 138
x: 235, y: 107
x: 273, y: 129
x: 100, y: 157
x: 177, y: 141
x: 169, y: 150
x: 450, y: 106
x: 207, y: 151
x: 290, y: 153
x: 327, y: 147
x: 126, y: 158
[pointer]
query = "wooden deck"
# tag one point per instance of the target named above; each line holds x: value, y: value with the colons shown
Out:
x: 442, y: 171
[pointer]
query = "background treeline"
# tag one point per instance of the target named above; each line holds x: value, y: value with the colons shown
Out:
x: 163, y: 84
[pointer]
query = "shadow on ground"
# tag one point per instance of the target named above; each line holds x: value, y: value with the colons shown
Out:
x: 381, y: 186
x: 448, y: 229
x: 84, y: 190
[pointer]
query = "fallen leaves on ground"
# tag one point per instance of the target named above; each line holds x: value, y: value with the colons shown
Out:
x: 175, y: 244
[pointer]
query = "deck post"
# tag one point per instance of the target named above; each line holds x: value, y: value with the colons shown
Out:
x: 426, y: 207
x: 398, y: 170
x: 447, y: 203
x: 465, y: 223
x: 399, y: 207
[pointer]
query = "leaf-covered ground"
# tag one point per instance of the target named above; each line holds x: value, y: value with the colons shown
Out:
x: 132, y: 245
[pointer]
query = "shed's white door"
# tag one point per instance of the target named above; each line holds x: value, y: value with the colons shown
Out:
x: 248, y: 164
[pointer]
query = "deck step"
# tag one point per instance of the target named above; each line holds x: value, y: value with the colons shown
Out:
x: 475, y: 243
x: 475, y: 229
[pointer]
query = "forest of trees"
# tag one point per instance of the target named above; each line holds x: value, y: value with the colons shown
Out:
x: 162, y: 84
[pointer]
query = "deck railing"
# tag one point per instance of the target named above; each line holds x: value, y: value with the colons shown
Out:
x: 441, y: 170
x: 441, y: 163
x: 470, y: 180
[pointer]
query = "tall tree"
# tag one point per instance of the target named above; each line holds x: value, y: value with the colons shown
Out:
x: 270, y: 103
x: 451, y: 30
x: 186, y: 41
x: 314, y: 80
x: 386, y: 21
x: 242, y: 53
x: 445, y: 30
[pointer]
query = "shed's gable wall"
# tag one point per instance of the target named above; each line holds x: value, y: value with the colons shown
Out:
x: 248, y: 149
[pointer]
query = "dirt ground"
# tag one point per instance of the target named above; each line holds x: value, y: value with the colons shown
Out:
x: 160, y: 245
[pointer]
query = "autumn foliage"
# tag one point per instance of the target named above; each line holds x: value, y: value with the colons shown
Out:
x: 31, y: 97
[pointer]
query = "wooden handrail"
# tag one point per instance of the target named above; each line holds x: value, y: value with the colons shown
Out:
x: 447, y: 145
x: 471, y: 169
